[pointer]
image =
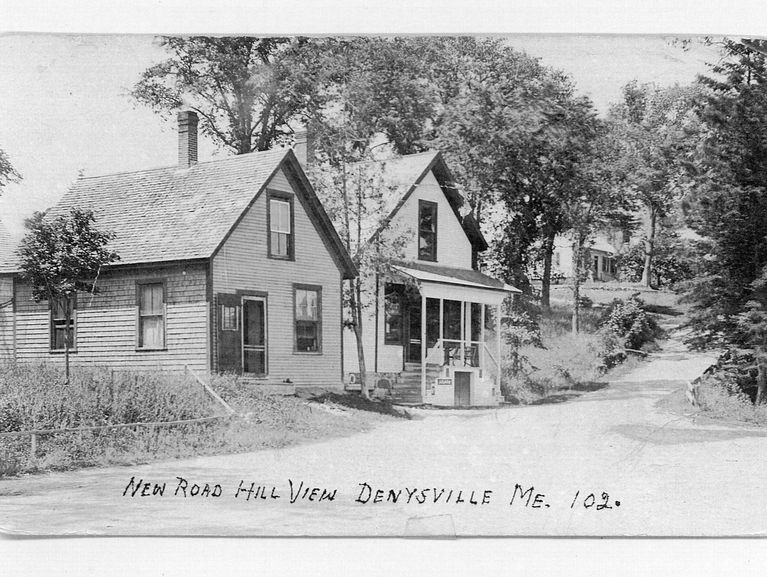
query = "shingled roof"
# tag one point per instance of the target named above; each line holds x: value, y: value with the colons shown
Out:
x: 173, y: 214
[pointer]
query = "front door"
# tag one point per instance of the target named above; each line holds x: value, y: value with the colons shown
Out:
x: 229, y: 342
x: 254, y: 349
x: 413, y: 333
x: 462, y: 381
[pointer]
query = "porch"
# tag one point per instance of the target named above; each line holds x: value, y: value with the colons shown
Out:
x: 448, y: 323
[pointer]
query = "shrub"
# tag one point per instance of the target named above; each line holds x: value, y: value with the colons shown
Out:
x: 630, y: 323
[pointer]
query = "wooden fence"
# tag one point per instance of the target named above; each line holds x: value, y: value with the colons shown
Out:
x: 34, y: 434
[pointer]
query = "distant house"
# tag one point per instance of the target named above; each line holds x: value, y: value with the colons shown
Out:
x: 6, y: 298
x: 602, y: 252
x: 433, y: 334
x: 230, y: 265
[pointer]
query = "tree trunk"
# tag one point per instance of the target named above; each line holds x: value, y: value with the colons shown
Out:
x: 649, y: 244
x: 577, y: 264
x: 761, y: 376
x: 548, y: 251
x: 357, y: 316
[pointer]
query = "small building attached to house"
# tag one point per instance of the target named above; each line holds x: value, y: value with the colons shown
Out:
x: 226, y: 266
x: 433, y: 333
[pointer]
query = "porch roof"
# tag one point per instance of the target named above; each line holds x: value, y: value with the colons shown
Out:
x: 456, y: 283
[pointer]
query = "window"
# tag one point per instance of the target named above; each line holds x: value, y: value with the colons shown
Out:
x: 281, y: 227
x: 393, y: 297
x: 556, y: 258
x: 229, y: 318
x: 151, y: 315
x: 59, y: 325
x: 308, y: 315
x: 427, y: 230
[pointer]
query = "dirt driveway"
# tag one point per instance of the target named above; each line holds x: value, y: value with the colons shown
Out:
x: 535, y: 471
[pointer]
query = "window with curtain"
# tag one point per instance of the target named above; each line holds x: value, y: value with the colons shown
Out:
x: 308, y: 319
x: 59, y: 324
x: 280, y: 228
x: 427, y: 230
x: 151, y: 315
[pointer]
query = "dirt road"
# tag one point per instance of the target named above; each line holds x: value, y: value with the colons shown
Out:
x: 662, y: 473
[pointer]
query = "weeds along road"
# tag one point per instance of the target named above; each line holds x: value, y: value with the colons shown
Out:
x: 661, y: 473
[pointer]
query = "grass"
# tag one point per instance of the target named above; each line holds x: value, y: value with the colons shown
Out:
x: 568, y: 364
x: 567, y: 361
x: 33, y: 397
x: 723, y: 401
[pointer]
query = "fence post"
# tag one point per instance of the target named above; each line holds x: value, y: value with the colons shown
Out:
x: 33, y: 446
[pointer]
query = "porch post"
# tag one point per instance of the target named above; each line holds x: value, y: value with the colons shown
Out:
x: 463, y: 333
x: 498, y: 345
x: 423, y: 348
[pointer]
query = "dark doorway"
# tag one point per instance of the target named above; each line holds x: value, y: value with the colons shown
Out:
x: 462, y: 389
x: 254, y: 336
x: 413, y: 333
x: 229, y: 333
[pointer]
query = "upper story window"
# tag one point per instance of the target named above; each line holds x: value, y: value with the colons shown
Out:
x: 281, y: 243
x: 151, y: 315
x: 427, y: 230
x: 308, y: 318
x: 60, y: 326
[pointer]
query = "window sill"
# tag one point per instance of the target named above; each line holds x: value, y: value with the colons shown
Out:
x: 308, y: 353
x: 150, y: 350
x: 277, y: 257
x: 61, y: 351
x: 427, y: 259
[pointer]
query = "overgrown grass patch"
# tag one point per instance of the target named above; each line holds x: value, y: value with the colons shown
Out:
x: 261, y: 420
x: 721, y: 398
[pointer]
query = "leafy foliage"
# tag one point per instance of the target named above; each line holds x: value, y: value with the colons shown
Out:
x: 7, y: 172
x: 673, y: 261
x: 629, y: 322
x: 61, y: 256
x: 246, y: 90
x: 726, y: 201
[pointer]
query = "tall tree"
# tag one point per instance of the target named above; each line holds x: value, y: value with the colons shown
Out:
x: 655, y: 130
x: 592, y: 199
x: 726, y: 201
x: 62, y: 256
x: 247, y: 90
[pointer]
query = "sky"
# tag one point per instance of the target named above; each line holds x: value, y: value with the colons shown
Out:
x: 65, y: 104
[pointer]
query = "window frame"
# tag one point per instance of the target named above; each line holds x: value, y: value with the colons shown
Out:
x: 52, y: 328
x: 149, y: 281
x: 433, y: 206
x: 400, y: 291
x: 318, y: 289
x: 289, y: 199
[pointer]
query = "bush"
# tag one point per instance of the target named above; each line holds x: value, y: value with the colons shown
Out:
x: 630, y: 323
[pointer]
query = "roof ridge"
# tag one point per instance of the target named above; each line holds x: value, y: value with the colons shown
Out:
x: 176, y: 167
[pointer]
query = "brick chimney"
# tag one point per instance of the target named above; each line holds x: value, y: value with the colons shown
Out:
x: 187, y: 138
x: 303, y: 147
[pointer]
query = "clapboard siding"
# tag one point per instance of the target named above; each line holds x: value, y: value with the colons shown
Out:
x: 453, y: 246
x: 106, y: 322
x: 242, y: 264
x: 6, y: 318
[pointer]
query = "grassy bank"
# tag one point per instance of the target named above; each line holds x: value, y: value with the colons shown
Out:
x: 36, y: 398
x: 567, y: 365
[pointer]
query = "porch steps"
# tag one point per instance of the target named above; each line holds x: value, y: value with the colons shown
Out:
x: 407, y: 389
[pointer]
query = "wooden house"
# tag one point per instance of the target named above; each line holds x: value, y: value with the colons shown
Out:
x: 433, y: 334
x: 229, y: 265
